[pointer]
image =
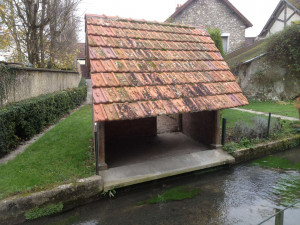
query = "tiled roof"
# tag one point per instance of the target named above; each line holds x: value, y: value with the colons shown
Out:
x: 238, y: 13
x: 142, y: 69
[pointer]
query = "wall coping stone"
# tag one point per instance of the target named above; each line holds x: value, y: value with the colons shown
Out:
x: 264, y: 149
x: 42, y: 69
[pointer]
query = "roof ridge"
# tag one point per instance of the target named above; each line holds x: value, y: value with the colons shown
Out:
x: 229, y: 4
x: 117, y: 18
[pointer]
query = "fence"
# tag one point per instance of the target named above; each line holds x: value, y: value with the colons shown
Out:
x: 237, y: 125
x: 278, y: 217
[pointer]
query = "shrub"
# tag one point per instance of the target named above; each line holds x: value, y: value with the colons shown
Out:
x: 258, y: 129
x: 232, y: 146
x: 21, y: 120
x: 215, y: 35
x: 283, y: 48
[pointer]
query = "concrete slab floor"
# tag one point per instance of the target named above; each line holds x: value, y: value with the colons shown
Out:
x: 163, y: 167
x: 138, y: 160
x: 140, y: 149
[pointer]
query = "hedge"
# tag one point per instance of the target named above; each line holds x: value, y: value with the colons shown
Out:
x: 22, y: 120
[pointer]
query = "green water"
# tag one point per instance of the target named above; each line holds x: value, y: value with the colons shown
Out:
x: 173, y: 194
x: 288, y: 186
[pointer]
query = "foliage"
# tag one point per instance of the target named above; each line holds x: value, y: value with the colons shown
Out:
x: 21, y: 120
x: 283, y: 48
x: 43, y: 33
x: 43, y: 211
x: 110, y: 193
x: 174, y: 194
x: 215, y: 35
x: 258, y: 128
x: 7, y: 80
x: 232, y: 146
x: 62, y: 155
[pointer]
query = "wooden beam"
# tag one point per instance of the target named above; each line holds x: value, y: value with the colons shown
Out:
x: 101, y: 146
x: 285, y: 12
x: 290, y: 16
x: 216, y: 139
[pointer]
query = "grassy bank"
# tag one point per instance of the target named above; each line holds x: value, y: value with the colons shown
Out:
x: 279, y: 108
x: 287, y: 128
x: 62, y: 155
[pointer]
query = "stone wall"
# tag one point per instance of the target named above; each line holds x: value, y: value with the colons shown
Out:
x: 262, y: 80
x: 214, y: 13
x: 30, y: 82
x: 203, y: 127
x: 130, y: 128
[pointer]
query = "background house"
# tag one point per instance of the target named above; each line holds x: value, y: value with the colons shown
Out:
x: 81, y: 60
x: 214, y: 13
x: 259, y: 77
x: 284, y: 14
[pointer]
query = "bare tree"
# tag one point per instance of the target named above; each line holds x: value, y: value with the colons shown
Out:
x: 44, y: 31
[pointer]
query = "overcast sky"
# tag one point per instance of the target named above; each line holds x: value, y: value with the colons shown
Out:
x: 256, y: 11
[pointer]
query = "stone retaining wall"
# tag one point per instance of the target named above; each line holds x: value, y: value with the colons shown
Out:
x: 264, y: 149
x: 30, y: 82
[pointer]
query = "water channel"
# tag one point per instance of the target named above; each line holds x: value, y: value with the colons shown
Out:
x: 243, y: 194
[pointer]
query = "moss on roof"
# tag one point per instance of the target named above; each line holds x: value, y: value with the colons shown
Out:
x: 243, y: 54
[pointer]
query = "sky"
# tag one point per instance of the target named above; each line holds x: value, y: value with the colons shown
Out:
x: 256, y: 11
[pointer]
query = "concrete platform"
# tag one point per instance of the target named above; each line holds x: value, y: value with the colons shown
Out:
x: 163, y: 156
x: 140, y: 149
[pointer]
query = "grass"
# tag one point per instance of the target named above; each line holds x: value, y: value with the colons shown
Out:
x: 173, y: 194
x: 280, y: 108
x: 233, y: 116
x: 62, y: 155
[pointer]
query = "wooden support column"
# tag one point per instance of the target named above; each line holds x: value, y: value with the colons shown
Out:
x: 101, y: 146
x: 216, y: 137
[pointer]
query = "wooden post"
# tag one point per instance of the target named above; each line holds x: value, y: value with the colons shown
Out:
x: 101, y: 146
x: 216, y: 138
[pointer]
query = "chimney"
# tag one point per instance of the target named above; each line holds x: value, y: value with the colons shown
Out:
x: 178, y: 6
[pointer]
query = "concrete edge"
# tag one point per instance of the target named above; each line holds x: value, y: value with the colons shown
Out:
x: 260, y: 150
x: 156, y: 176
x: 13, y: 210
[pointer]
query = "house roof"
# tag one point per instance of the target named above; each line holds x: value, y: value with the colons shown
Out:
x: 143, y: 69
x: 239, y: 14
x: 293, y: 4
x: 247, y: 53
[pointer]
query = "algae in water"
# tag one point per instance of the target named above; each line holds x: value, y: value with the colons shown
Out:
x: 173, y: 194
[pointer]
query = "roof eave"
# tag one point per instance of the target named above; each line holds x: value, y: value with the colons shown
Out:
x: 265, y: 28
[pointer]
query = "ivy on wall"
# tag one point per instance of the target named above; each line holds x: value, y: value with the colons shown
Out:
x: 283, y: 48
x: 215, y: 35
x: 7, y: 82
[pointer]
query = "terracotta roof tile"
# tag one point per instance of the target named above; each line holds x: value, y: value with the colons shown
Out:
x: 142, y: 69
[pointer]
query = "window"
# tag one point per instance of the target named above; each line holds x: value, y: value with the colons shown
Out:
x: 225, y: 41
